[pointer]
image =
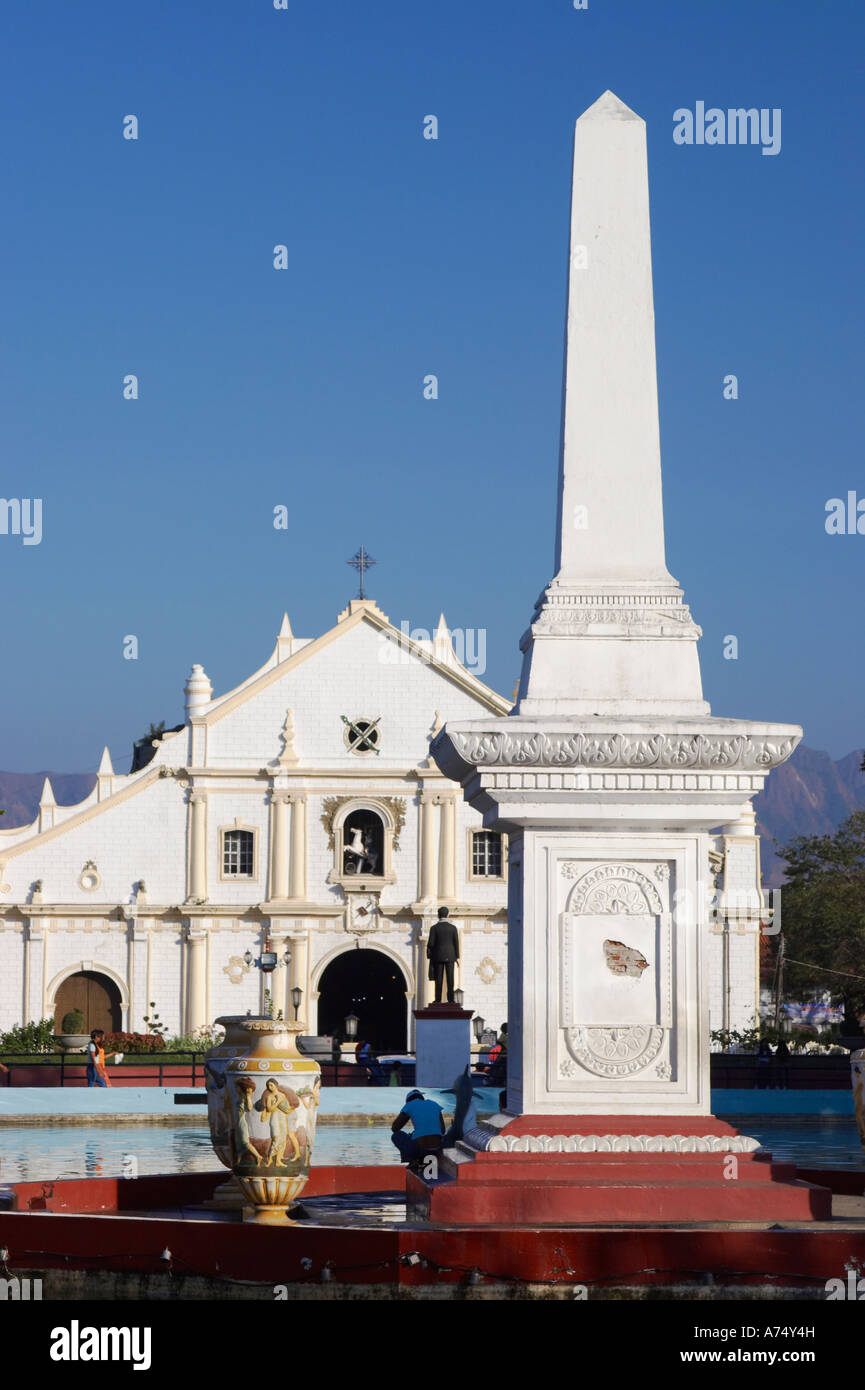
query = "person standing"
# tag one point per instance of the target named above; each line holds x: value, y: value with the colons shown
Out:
x: 443, y: 951
x: 96, y: 1073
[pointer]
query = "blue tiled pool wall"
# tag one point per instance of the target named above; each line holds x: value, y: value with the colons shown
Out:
x: 371, y: 1100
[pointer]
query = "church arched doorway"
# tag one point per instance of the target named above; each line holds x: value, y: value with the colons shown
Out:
x: 371, y: 986
x: 95, y: 995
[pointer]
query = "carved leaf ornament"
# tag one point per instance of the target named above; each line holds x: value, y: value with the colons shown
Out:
x: 621, y: 750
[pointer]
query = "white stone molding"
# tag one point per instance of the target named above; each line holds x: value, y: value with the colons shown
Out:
x: 484, y: 1140
x: 567, y: 612
x: 93, y: 966
x: 674, y: 751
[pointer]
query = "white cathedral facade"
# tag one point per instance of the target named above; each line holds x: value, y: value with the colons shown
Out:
x: 298, y: 813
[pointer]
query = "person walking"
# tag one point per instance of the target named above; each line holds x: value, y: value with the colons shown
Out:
x: 443, y: 951
x: 96, y: 1073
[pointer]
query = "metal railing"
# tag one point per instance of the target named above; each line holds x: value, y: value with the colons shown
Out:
x: 75, y: 1066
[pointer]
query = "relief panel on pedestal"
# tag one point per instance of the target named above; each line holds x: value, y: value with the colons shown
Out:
x: 616, y: 982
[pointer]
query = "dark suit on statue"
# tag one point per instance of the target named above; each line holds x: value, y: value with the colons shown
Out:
x: 443, y: 950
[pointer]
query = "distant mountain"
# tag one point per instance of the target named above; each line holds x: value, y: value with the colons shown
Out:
x: 808, y: 795
x: 20, y: 793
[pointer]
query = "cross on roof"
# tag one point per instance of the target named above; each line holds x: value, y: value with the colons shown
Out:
x: 361, y: 561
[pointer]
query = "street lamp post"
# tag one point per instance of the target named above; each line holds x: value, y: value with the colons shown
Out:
x: 296, y: 996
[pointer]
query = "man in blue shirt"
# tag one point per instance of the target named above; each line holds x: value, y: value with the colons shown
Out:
x: 428, y: 1125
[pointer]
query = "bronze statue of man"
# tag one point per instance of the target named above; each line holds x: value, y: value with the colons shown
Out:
x: 443, y: 951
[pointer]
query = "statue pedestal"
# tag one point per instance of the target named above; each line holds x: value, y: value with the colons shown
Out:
x: 443, y: 1044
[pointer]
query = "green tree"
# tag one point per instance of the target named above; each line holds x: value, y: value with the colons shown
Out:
x: 823, y: 916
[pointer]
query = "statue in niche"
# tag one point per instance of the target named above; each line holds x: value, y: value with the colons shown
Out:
x: 355, y: 852
x: 363, y: 843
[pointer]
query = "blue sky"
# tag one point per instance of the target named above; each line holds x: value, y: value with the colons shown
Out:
x: 407, y: 257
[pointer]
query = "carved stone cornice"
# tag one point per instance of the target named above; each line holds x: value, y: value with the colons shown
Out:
x: 482, y: 1139
x: 565, y: 612
x: 676, y: 752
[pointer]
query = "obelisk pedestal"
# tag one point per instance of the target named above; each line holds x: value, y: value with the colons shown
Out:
x: 609, y: 778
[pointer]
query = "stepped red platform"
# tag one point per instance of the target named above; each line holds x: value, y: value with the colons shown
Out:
x: 109, y: 1238
x: 481, y: 1186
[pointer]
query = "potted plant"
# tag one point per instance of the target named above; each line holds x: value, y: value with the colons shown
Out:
x: 71, y: 1038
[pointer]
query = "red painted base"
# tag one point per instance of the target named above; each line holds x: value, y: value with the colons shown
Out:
x: 523, y: 1188
x: 122, y: 1227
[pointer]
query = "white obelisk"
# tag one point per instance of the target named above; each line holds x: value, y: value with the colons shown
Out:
x: 611, y: 586
x: 611, y: 778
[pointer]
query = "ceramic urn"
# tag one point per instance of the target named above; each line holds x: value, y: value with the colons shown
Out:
x: 234, y: 1044
x: 271, y: 1096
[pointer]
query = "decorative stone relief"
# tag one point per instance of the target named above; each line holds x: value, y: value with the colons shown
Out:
x: 607, y: 1143
x: 288, y: 756
x: 362, y: 913
x: 235, y: 969
x: 673, y: 751
x: 613, y: 888
x: 488, y: 970
x: 614, y: 1052
x: 90, y: 878
x: 620, y: 1046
